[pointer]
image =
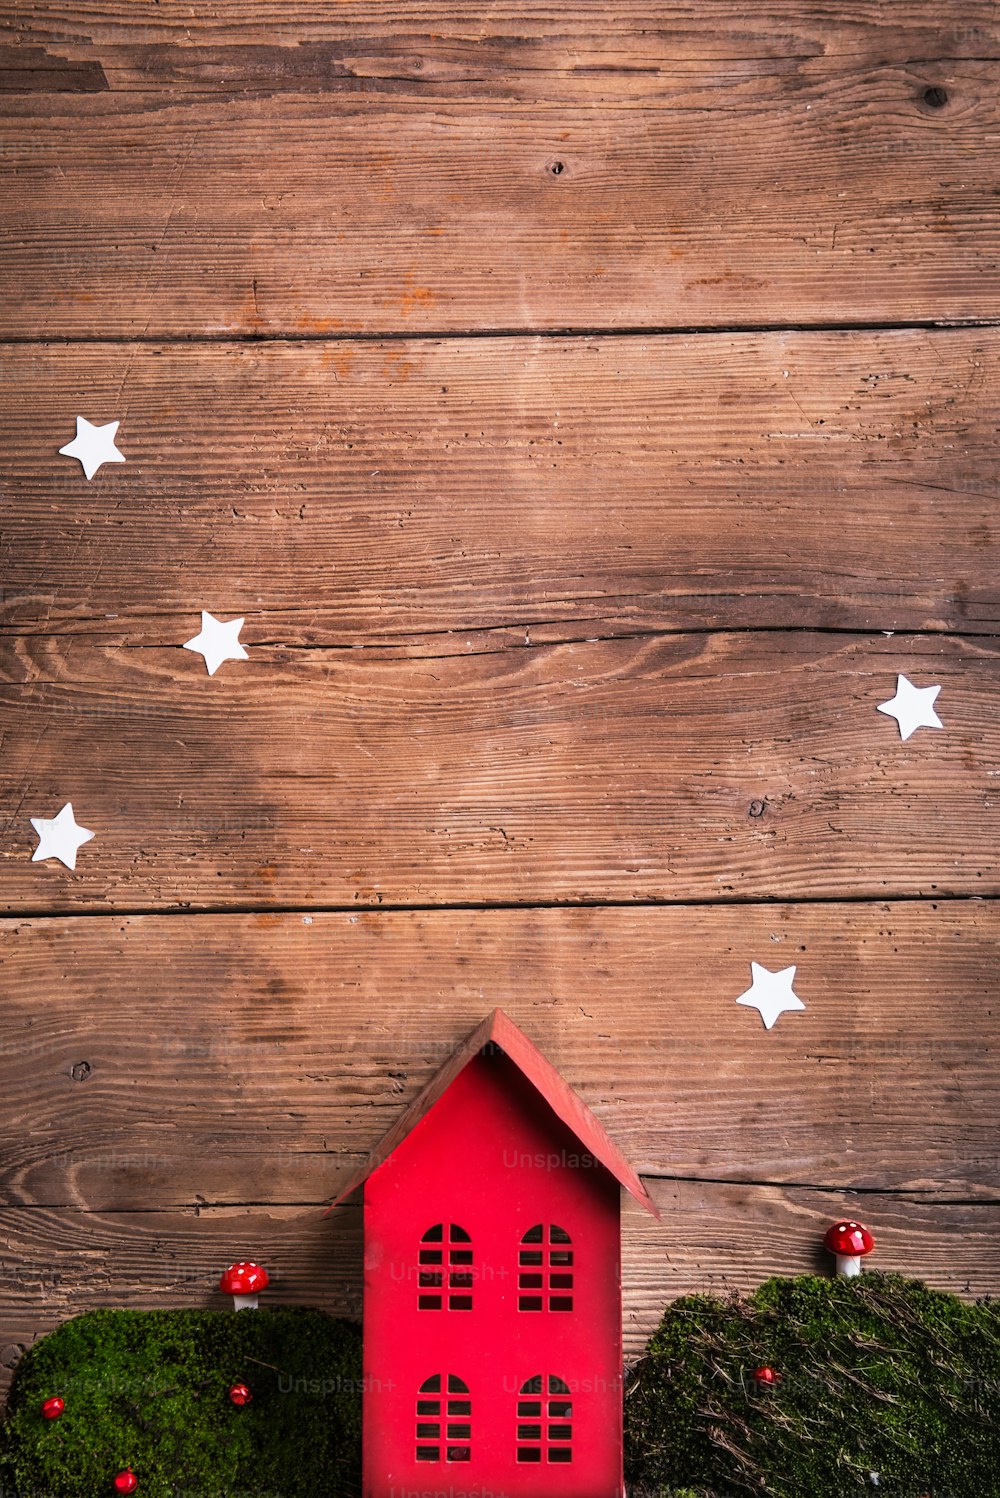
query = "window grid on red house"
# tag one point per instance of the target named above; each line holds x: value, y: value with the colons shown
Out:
x: 444, y: 1277
x: 544, y: 1421
x: 453, y: 1412
x: 545, y: 1269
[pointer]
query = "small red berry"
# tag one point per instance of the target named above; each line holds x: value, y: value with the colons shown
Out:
x: 53, y: 1408
x: 766, y: 1378
x: 240, y: 1394
x: 126, y: 1482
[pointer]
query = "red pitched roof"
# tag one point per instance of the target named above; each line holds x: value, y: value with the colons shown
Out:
x: 499, y: 1028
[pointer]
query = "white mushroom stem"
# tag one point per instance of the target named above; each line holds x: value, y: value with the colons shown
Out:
x: 249, y: 1302
x: 848, y: 1265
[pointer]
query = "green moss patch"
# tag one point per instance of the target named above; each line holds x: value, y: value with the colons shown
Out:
x: 887, y: 1388
x: 880, y: 1378
x: 149, y: 1390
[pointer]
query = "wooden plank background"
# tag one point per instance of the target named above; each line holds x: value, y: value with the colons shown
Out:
x: 590, y: 416
x: 290, y: 1039
x: 327, y: 169
x: 140, y: 1147
x: 557, y: 488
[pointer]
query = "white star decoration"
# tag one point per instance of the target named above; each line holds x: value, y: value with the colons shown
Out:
x: 912, y: 707
x: 60, y: 837
x: 219, y: 641
x: 771, y: 993
x: 93, y: 445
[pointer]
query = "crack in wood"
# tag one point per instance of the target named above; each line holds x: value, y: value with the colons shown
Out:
x: 883, y: 897
x: 528, y: 333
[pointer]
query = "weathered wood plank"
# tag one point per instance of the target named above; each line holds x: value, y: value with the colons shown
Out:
x: 671, y: 54
x: 677, y: 767
x: 348, y: 494
x: 714, y: 1238
x: 667, y: 51
x: 820, y: 195
x: 857, y: 30
x: 154, y: 1061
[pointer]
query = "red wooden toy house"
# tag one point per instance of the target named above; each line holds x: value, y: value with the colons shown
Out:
x: 492, y: 1309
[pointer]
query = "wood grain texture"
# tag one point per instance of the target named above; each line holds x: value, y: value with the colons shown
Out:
x: 680, y: 61
x: 857, y: 30
x: 541, y: 489
x: 532, y: 620
x: 820, y: 195
x: 154, y: 1062
x: 677, y: 767
x: 714, y: 1238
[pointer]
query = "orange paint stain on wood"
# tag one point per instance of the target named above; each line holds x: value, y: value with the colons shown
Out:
x: 728, y: 279
x: 340, y: 360
x: 396, y: 366
x: 309, y: 324
x: 415, y: 296
x: 248, y: 316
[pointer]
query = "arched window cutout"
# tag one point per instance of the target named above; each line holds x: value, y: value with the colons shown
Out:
x: 545, y: 1269
x: 444, y: 1275
x: 544, y: 1421
x: 444, y: 1424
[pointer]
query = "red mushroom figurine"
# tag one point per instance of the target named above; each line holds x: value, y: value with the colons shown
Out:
x: 243, y: 1282
x: 850, y: 1242
x: 126, y: 1481
x: 240, y: 1395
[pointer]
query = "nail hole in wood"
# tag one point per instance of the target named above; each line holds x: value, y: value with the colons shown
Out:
x: 557, y: 168
x: 81, y: 1071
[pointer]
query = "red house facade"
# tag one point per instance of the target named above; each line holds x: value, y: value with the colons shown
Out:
x: 492, y: 1285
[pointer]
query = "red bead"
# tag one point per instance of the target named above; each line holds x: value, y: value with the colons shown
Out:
x: 126, y: 1482
x: 53, y: 1408
x: 240, y: 1394
x: 766, y: 1378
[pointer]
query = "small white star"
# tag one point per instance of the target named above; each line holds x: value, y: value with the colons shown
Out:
x: 771, y: 993
x: 912, y: 707
x: 60, y: 837
x: 93, y: 445
x: 219, y: 641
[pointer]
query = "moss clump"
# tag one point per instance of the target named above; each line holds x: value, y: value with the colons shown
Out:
x: 880, y: 1375
x: 149, y: 1390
